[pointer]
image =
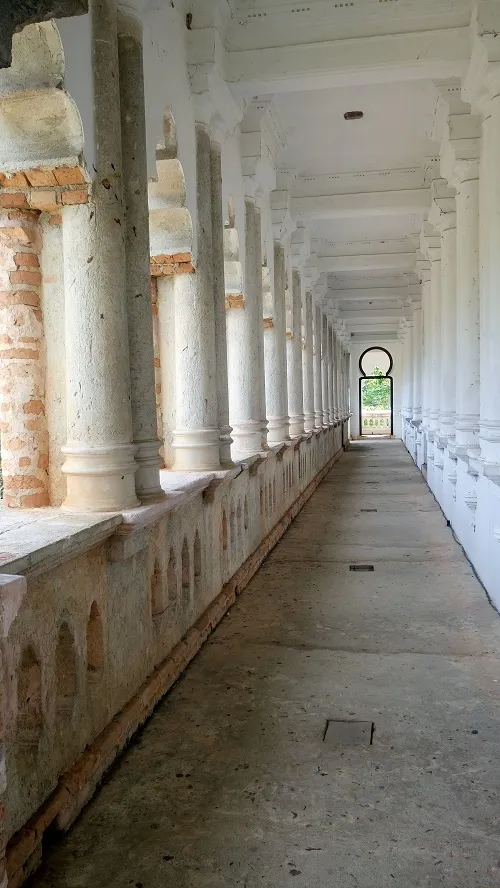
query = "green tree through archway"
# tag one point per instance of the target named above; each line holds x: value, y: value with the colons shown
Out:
x: 377, y: 392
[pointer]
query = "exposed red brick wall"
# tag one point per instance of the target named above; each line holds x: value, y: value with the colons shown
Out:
x: 23, y: 428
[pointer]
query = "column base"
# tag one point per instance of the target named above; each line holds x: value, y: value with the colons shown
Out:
x: 296, y: 426
x: 196, y: 450
x: 278, y: 429
x: 225, y: 441
x: 149, y: 463
x: 248, y: 436
x: 309, y: 422
x: 100, y: 479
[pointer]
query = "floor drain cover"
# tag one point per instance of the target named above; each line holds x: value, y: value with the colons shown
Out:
x: 365, y: 567
x: 369, y: 510
x: 349, y: 733
x: 371, y: 482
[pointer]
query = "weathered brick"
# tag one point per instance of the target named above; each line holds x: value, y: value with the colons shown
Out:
x: 14, y: 199
x: 35, y: 425
x: 16, y: 180
x: 27, y: 354
x: 41, y: 178
x: 23, y: 482
x: 69, y: 176
x: 76, y: 196
x: 26, y: 259
x: 43, y: 461
x: 34, y: 407
x: 46, y: 201
x: 19, y: 297
x: 33, y: 278
x: 34, y: 500
x: 24, y: 461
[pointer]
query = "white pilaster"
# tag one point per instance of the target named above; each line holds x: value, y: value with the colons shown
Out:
x: 294, y: 360
x: 317, y: 334
x: 275, y: 356
x: 308, y: 363
x: 325, y: 371
x: 244, y: 329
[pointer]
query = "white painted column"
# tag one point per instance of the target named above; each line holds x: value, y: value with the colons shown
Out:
x: 467, y: 312
x: 100, y: 465
x: 435, y: 334
x: 417, y: 363
x: 324, y: 370
x: 308, y: 363
x: 225, y: 430
x: 275, y: 357
x: 489, y: 252
x: 196, y: 434
x: 244, y: 328
x: 294, y: 360
x: 426, y: 345
x: 338, y: 375
x: 317, y: 333
x: 407, y: 354
x: 331, y: 375
x: 448, y: 327
x: 137, y: 270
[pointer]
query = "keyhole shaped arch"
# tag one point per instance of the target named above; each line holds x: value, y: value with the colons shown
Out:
x: 364, y: 376
x: 375, y: 348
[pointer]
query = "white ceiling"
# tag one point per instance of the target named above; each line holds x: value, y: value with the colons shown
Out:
x: 352, y: 216
x: 393, y: 133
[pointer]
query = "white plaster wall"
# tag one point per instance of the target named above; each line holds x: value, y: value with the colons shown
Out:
x: 357, y: 349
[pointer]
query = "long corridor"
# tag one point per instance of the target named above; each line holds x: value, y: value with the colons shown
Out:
x: 233, y: 781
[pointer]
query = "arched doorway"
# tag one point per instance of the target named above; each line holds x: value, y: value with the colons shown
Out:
x: 376, y: 415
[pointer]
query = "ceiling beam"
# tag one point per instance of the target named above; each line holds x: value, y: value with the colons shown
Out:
x: 370, y: 262
x: 375, y: 203
x: 369, y: 294
x: 422, y: 55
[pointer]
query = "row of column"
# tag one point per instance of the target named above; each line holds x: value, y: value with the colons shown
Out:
x: 442, y: 341
x: 265, y: 382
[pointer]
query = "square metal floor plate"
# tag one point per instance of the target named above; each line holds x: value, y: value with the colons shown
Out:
x: 349, y: 733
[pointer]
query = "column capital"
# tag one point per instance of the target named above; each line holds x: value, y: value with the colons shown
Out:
x: 482, y: 81
x: 430, y: 242
x: 460, y: 149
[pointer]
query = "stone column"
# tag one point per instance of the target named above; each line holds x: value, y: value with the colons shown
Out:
x: 318, y: 392
x: 225, y: 430
x: 196, y: 438
x: 435, y: 334
x: 244, y: 329
x: 307, y: 364
x: 338, y: 375
x: 467, y: 312
x: 417, y: 363
x: 324, y: 370
x: 489, y: 423
x: 331, y: 375
x: 100, y: 465
x: 407, y: 355
x: 426, y: 346
x: 137, y: 270
x: 448, y: 327
x: 294, y: 361
x: 275, y: 357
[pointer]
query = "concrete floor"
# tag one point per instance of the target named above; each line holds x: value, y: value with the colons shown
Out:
x: 230, y: 783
